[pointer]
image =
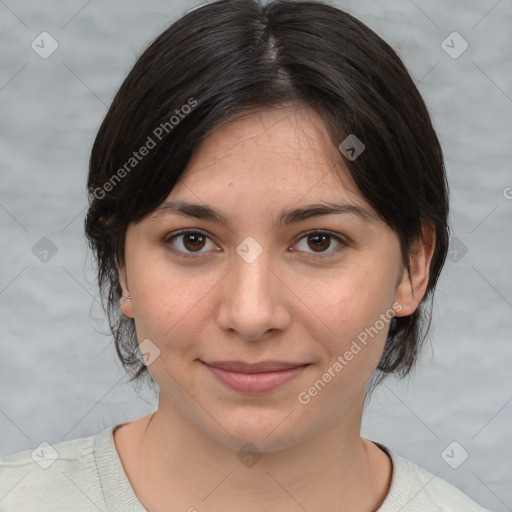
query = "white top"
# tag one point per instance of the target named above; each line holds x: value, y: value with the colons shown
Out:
x: 86, y: 475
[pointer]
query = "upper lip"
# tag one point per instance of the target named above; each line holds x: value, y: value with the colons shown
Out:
x: 263, y: 366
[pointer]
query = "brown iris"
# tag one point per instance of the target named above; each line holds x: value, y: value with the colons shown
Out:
x: 321, y: 242
x: 193, y: 241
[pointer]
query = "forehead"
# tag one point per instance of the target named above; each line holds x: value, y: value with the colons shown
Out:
x: 285, y: 148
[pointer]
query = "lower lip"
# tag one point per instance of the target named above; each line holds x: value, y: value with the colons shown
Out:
x: 255, y: 383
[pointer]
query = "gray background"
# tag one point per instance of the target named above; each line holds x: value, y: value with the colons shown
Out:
x: 59, y: 378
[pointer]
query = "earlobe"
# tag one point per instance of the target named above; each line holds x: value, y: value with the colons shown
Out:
x: 412, y: 286
x: 125, y: 302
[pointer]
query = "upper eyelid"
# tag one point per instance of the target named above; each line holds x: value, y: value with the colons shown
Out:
x: 181, y: 232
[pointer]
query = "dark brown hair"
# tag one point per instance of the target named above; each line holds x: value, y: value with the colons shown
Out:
x: 230, y: 57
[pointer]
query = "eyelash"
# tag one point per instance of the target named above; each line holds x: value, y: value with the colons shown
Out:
x: 342, y: 243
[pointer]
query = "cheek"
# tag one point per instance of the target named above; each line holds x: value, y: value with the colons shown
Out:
x: 349, y: 300
x: 355, y: 314
x: 170, y: 305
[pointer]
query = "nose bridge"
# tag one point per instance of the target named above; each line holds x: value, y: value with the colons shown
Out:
x: 250, y: 286
x: 250, y: 304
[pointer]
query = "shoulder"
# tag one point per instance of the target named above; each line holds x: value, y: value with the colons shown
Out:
x: 415, y: 489
x: 50, y: 477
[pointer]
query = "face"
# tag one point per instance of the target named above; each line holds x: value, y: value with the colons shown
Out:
x: 260, y: 283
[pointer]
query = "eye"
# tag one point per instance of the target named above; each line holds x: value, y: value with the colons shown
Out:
x: 189, y: 241
x: 320, y: 241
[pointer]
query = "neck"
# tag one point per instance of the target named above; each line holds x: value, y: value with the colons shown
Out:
x: 332, y: 469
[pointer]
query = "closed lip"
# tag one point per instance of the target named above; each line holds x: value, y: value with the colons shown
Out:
x: 260, y: 367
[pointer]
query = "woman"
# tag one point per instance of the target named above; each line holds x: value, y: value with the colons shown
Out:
x: 268, y: 209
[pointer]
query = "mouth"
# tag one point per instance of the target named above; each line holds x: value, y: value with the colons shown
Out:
x: 261, y: 367
x: 254, y: 378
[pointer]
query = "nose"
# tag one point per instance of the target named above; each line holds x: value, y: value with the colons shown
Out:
x: 253, y: 299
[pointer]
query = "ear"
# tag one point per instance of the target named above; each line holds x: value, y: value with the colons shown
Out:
x: 126, y: 305
x: 411, y: 287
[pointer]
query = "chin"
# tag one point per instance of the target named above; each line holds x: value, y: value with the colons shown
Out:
x: 267, y: 434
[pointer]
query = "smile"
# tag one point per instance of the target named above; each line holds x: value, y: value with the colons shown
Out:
x: 254, y: 379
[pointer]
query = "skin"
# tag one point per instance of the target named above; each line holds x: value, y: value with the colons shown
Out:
x: 285, y: 305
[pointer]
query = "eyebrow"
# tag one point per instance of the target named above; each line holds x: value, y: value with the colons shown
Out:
x: 286, y: 217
